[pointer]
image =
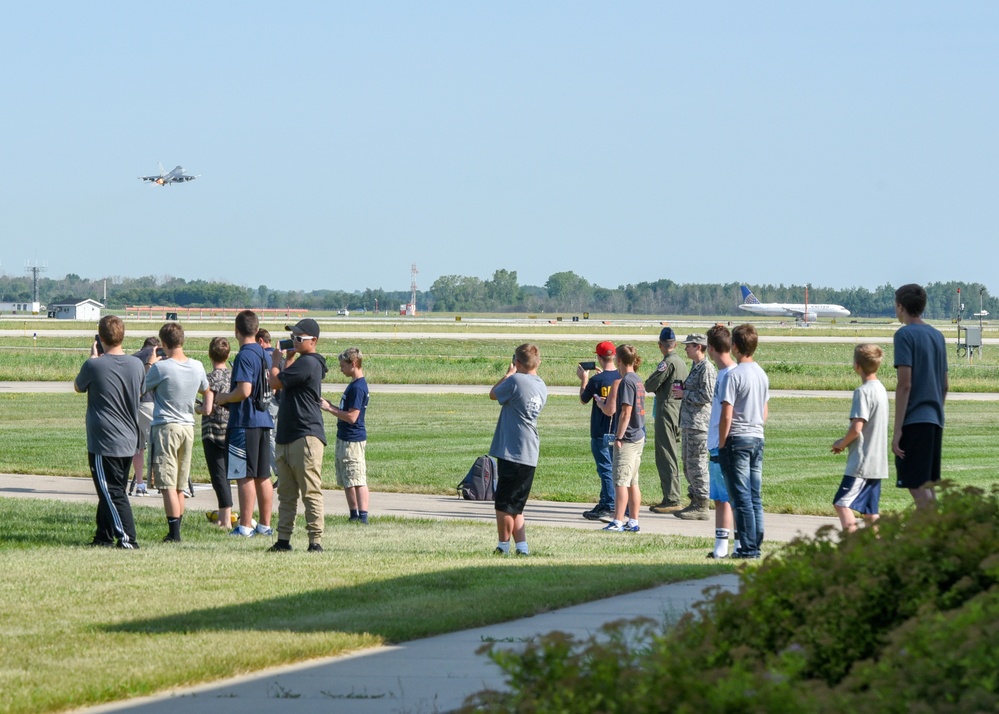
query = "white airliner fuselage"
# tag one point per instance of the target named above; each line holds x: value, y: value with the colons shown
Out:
x: 805, y: 312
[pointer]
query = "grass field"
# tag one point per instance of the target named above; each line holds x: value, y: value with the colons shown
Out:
x: 82, y: 626
x: 426, y: 443
x: 402, y: 360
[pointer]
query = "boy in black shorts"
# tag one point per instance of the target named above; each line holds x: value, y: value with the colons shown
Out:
x: 522, y: 394
x: 921, y: 361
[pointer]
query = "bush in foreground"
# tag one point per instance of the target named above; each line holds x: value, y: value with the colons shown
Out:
x: 902, y: 620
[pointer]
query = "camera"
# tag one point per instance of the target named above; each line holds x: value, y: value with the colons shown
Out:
x: 286, y: 345
x: 588, y: 365
x: 161, y: 353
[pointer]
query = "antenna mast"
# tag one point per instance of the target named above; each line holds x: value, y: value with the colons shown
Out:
x: 412, y: 300
x: 34, y: 270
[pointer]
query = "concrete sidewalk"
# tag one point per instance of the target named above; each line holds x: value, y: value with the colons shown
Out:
x: 780, y: 527
x: 422, y: 676
x: 435, y: 674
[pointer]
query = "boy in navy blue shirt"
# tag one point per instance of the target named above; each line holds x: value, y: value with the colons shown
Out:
x: 351, y: 436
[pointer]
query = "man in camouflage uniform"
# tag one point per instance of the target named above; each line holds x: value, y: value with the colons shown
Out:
x: 695, y: 413
x: 666, y: 415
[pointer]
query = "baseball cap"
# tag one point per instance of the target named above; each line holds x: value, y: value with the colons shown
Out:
x: 606, y: 349
x: 667, y: 334
x: 696, y: 339
x: 308, y: 326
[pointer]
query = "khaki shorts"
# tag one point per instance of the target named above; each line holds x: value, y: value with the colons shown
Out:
x: 351, y: 466
x: 627, y: 460
x: 145, y: 421
x: 170, y: 455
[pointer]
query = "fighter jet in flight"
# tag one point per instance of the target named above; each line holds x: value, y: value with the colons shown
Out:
x: 166, y: 178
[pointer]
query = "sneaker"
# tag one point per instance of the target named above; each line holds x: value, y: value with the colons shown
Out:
x: 262, y: 530
x: 171, y: 539
x: 140, y: 490
x: 363, y: 520
x: 281, y: 546
x: 314, y: 548
x: 716, y: 557
x: 632, y: 528
x: 600, y: 513
x: 523, y: 553
x: 740, y: 555
x: 612, y: 526
x: 242, y: 532
x: 665, y: 507
x: 499, y: 551
x: 696, y: 511
x: 101, y: 543
x: 354, y: 519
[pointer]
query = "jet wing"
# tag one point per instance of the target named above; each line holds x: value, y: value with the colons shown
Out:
x: 183, y: 177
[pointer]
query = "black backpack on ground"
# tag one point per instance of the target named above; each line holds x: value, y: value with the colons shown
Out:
x: 480, y: 482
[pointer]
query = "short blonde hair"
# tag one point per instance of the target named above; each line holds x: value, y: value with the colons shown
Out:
x: 353, y: 356
x: 868, y: 357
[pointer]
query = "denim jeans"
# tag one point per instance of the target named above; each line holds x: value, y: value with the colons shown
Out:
x: 602, y: 457
x: 742, y: 465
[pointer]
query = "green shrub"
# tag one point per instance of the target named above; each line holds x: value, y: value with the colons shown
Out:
x: 898, y: 619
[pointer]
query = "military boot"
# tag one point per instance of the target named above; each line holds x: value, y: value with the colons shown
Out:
x: 696, y: 511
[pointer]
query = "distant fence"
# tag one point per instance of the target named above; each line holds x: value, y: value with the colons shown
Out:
x: 171, y: 313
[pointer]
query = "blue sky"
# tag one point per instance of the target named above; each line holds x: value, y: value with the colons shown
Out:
x: 838, y: 144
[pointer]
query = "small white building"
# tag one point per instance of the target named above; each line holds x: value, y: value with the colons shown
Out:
x: 87, y: 310
x: 32, y: 308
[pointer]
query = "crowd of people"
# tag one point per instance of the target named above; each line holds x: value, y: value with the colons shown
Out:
x: 265, y: 414
x: 262, y: 415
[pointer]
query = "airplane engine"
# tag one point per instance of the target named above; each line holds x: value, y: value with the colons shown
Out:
x: 809, y: 317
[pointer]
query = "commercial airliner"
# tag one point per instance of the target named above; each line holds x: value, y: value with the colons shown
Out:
x: 803, y: 312
x: 168, y: 177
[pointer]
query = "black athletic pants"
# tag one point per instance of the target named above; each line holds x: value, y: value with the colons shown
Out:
x: 114, y: 513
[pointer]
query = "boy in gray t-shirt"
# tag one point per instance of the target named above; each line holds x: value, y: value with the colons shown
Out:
x: 175, y: 383
x: 744, y: 408
x: 522, y: 395
x: 867, y: 441
x: 112, y: 381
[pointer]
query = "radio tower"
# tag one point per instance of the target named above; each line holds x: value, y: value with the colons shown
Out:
x: 35, y: 270
x: 412, y: 299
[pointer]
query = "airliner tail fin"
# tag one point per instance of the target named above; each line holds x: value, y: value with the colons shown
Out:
x: 747, y: 296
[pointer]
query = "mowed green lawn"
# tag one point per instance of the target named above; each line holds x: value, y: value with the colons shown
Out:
x: 83, y: 625
x: 425, y: 443
x: 404, y: 360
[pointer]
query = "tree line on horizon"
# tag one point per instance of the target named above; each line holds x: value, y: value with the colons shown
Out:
x: 564, y: 292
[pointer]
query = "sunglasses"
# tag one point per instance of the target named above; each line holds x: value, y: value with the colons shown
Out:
x: 302, y: 338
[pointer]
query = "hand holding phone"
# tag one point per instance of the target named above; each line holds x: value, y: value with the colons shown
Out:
x: 588, y: 366
x: 97, y: 344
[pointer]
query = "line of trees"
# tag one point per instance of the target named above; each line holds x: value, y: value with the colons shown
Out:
x: 562, y: 292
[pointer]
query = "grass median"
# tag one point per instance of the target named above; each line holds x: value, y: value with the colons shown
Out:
x: 425, y: 443
x: 85, y: 625
x: 420, y: 360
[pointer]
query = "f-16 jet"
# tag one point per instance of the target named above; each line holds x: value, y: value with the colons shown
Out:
x: 168, y: 177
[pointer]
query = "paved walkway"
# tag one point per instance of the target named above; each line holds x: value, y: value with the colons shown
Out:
x: 429, y: 675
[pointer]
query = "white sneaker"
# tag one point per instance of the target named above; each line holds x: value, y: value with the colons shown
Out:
x: 140, y: 490
x: 242, y: 532
x: 263, y: 530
